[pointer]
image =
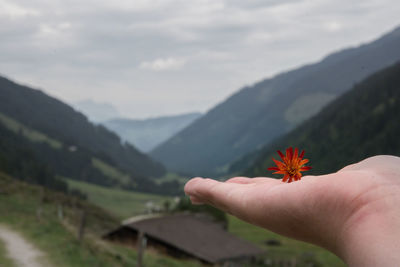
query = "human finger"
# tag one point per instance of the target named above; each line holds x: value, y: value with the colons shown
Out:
x: 234, y: 198
x: 195, y: 201
x: 245, y: 180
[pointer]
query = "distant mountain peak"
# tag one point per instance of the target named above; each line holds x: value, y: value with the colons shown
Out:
x: 96, y: 111
x: 146, y: 134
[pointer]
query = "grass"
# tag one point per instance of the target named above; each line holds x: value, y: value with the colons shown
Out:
x: 153, y: 259
x: 4, y: 259
x: 306, y: 106
x: 170, y: 176
x: 119, y: 202
x: 288, y: 249
x: 126, y: 203
x: 47, y: 233
x: 57, y: 237
x: 110, y: 171
x: 30, y: 134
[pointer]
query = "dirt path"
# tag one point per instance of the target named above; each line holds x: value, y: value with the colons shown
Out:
x: 22, y: 252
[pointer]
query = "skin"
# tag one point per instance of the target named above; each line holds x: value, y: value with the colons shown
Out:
x: 355, y: 212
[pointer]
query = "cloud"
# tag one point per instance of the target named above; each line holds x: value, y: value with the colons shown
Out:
x: 14, y: 10
x: 163, y: 64
x: 192, y: 54
x: 333, y: 26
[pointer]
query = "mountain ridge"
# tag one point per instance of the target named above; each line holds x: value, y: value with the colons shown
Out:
x: 42, y: 112
x: 361, y: 123
x: 64, y: 144
x: 255, y: 115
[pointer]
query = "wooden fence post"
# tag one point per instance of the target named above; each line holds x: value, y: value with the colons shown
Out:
x: 39, y: 209
x: 81, y: 230
x: 39, y: 212
x: 141, y: 243
x: 60, y: 212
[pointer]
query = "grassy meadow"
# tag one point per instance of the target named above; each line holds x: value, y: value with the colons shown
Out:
x: 126, y: 203
x: 288, y: 249
x: 170, y: 176
x: 57, y: 237
x: 30, y: 134
x: 110, y: 171
x: 121, y: 203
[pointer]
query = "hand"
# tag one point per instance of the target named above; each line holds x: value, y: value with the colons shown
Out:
x: 355, y: 213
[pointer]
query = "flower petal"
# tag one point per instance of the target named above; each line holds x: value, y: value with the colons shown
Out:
x: 280, y: 165
x: 281, y: 154
x: 304, y: 161
x: 289, y: 153
x: 296, y: 153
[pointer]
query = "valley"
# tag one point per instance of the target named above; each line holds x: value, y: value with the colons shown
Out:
x: 67, y: 178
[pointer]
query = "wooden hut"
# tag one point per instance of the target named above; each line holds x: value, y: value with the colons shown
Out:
x: 186, y: 236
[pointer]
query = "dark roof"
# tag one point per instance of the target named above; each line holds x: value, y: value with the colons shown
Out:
x: 196, y: 236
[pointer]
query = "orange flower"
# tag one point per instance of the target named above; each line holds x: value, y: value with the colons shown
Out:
x: 292, y: 165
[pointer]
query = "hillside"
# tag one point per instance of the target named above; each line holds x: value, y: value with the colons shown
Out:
x: 20, y: 161
x: 36, y: 214
x: 59, y: 121
x: 35, y: 157
x: 43, y: 141
x: 257, y: 114
x: 361, y: 123
x: 146, y: 134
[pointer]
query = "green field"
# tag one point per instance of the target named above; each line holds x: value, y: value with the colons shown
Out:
x: 57, y: 237
x: 121, y: 203
x: 27, y: 132
x: 110, y: 171
x: 170, y: 176
x: 125, y: 203
x: 288, y: 249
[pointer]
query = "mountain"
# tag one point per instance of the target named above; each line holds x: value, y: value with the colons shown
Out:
x: 257, y: 114
x: 361, y: 123
x: 96, y: 112
x: 48, y: 115
x: 66, y: 143
x: 18, y: 160
x: 148, y: 133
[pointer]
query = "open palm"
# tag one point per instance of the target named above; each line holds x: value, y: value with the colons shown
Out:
x: 354, y: 212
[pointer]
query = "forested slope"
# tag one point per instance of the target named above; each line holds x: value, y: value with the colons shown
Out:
x: 56, y: 119
x: 363, y: 122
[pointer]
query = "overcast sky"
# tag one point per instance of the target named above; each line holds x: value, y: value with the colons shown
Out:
x: 159, y: 57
